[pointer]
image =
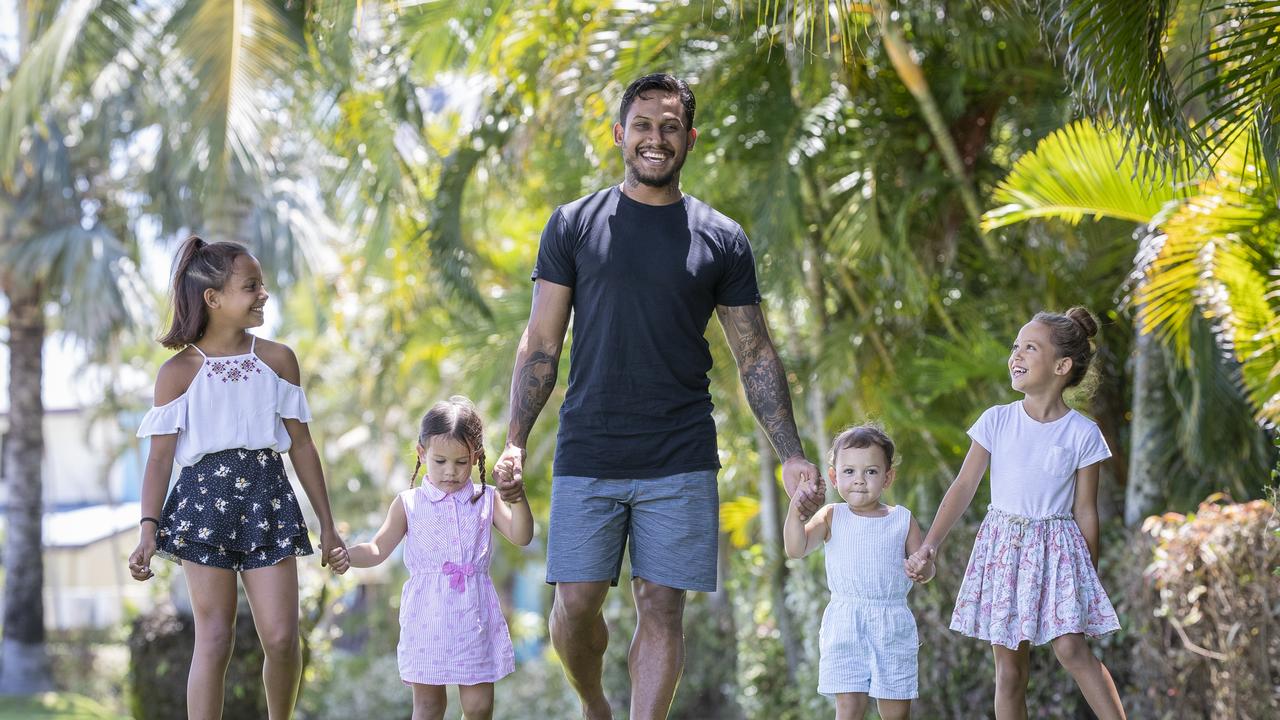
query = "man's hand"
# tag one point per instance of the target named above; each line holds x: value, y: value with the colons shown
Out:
x: 508, y: 474
x: 801, y: 476
x: 509, y: 481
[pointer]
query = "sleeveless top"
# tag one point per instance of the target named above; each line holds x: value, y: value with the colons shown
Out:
x: 236, y: 401
x: 864, y: 556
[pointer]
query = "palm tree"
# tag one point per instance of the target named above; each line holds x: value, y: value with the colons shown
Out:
x: 53, y: 250
x: 198, y: 75
x: 1203, y: 258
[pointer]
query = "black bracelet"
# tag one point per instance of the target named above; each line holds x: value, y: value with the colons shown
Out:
x: 157, y: 522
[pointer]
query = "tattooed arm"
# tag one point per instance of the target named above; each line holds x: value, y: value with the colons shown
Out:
x: 534, y: 377
x: 765, y: 383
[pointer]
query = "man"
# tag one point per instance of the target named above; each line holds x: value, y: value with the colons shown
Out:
x: 641, y: 266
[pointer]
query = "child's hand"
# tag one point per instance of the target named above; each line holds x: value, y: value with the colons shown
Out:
x: 920, y: 566
x: 510, y: 486
x: 804, y: 483
x: 339, y: 560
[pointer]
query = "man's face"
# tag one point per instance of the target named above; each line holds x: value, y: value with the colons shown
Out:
x: 656, y: 138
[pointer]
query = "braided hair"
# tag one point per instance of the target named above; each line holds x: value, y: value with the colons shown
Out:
x: 455, y: 419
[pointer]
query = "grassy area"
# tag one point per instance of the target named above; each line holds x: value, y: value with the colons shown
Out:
x: 54, y: 705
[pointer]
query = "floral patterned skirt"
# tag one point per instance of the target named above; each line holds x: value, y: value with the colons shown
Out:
x: 233, y: 509
x: 1031, y: 579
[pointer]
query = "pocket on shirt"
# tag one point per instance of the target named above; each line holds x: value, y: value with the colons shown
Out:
x: 1059, y: 461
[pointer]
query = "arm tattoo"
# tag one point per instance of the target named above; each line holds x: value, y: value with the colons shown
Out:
x: 534, y: 379
x: 763, y: 378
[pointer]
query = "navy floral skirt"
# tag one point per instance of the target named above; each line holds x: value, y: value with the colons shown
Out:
x: 233, y: 509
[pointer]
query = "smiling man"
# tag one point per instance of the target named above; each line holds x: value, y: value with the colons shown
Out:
x: 642, y: 267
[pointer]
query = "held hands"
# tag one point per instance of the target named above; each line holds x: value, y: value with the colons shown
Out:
x: 805, y: 485
x: 332, y: 546
x: 339, y: 560
x: 508, y: 475
x: 920, y: 565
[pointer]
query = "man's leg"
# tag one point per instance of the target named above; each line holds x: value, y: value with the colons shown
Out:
x: 674, y: 549
x: 657, y: 650
x: 579, y: 634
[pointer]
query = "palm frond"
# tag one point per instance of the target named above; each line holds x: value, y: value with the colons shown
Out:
x: 1114, y: 52
x: 88, y: 272
x: 229, y: 56
x: 1215, y: 257
x: 1238, y: 79
x: 83, y: 35
x: 1080, y: 170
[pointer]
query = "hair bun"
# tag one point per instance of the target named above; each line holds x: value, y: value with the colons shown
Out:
x: 1082, y: 317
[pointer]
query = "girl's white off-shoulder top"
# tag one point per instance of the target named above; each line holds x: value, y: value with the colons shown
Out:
x: 236, y: 401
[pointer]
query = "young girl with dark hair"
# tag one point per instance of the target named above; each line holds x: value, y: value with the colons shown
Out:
x: 452, y: 631
x: 226, y: 406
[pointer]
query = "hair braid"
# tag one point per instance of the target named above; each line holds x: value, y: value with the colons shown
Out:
x: 480, y: 494
x: 417, y: 465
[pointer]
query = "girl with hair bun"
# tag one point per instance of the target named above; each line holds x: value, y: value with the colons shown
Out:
x: 1032, y: 576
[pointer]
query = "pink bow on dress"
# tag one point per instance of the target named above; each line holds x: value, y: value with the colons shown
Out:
x: 458, y: 574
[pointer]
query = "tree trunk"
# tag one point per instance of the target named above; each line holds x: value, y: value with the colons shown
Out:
x: 24, y: 662
x: 1146, y: 492
x: 1109, y: 407
x: 771, y: 513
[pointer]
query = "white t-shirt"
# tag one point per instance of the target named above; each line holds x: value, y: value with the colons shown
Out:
x: 234, y: 402
x: 1033, y: 464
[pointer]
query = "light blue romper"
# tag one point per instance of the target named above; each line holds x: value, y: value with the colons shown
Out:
x: 868, y: 637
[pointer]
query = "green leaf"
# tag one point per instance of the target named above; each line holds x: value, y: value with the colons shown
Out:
x: 1080, y: 170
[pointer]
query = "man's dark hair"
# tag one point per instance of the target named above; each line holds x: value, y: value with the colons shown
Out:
x: 668, y: 84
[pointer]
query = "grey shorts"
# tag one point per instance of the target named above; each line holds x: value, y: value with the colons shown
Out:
x: 673, y: 523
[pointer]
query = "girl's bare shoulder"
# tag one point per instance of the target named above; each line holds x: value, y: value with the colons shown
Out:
x: 176, y: 374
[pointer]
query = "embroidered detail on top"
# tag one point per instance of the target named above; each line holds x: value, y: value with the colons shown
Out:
x: 233, y: 370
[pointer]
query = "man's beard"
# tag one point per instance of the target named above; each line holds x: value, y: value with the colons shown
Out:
x: 661, y: 181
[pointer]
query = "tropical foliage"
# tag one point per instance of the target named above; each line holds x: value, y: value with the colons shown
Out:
x: 393, y: 165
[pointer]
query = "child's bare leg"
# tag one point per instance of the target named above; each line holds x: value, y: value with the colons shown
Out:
x: 894, y: 709
x: 477, y: 701
x: 213, y: 602
x: 429, y: 702
x: 1012, y: 669
x: 851, y: 706
x: 273, y: 598
x: 1090, y: 674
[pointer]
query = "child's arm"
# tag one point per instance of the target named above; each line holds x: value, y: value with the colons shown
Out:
x: 368, y: 554
x: 302, y: 449
x: 1086, y: 508
x: 171, y: 383
x: 914, y: 540
x: 954, y: 503
x: 511, y: 514
x: 799, y: 538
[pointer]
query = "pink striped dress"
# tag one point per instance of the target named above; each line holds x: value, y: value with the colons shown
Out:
x: 452, y: 631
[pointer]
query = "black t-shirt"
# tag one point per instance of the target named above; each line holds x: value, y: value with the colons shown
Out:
x: 645, y: 281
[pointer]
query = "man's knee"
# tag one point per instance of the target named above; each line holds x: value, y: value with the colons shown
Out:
x: 578, y: 602
x: 658, y: 603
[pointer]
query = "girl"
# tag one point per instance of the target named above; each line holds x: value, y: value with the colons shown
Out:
x: 1032, y: 576
x: 451, y: 626
x: 868, y: 636
x: 226, y: 407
